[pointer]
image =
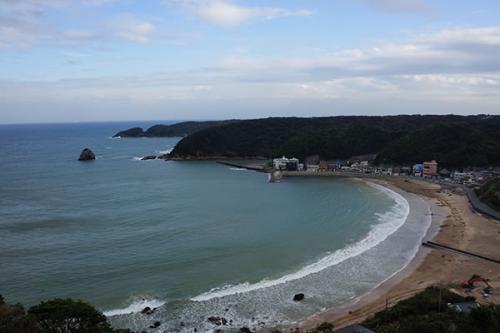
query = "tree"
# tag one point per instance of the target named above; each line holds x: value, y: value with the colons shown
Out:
x: 69, y: 316
x: 324, y: 328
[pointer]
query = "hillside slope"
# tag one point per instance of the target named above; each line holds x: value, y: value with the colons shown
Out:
x: 489, y: 193
x: 455, y: 141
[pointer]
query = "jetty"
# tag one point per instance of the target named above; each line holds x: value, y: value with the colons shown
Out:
x: 454, y: 249
x: 258, y: 168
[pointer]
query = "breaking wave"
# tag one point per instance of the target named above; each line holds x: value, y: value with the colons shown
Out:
x: 390, y: 222
x: 135, y: 307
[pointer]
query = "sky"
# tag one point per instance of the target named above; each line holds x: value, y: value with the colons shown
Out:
x: 106, y: 60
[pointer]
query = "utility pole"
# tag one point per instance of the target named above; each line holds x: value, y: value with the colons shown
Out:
x: 439, y: 301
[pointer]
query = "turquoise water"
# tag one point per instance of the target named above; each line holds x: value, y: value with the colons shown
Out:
x: 197, y: 238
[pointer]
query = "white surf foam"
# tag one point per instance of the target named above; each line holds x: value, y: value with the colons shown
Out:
x: 390, y: 222
x: 238, y: 169
x: 136, y: 158
x: 135, y: 307
x: 163, y: 152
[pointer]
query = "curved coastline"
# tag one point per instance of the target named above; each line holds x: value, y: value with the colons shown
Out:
x: 390, y: 222
x: 436, y: 216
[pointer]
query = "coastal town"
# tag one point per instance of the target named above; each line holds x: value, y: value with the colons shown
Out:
x: 364, y: 165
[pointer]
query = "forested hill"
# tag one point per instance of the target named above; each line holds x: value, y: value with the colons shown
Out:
x: 455, y: 141
x: 175, y: 130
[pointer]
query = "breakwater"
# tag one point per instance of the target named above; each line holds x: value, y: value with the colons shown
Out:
x: 258, y: 168
x: 454, y: 249
x: 328, y: 174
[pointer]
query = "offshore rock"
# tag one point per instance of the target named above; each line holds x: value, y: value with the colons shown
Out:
x: 298, y: 297
x: 87, y: 155
x: 149, y: 157
x: 148, y: 311
x: 217, y: 320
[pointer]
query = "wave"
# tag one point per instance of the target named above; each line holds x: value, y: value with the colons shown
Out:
x: 163, y: 152
x: 135, y: 307
x: 136, y: 158
x: 238, y: 169
x: 390, y: 222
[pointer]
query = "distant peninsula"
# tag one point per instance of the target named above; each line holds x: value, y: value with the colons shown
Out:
x: 181, y: 129
x: 455, y: 141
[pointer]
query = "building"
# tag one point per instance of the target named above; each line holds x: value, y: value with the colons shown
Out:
x: 465, y: 307
x: 323, y: 166
x: 444, y: 173
x: 312, y: 167
x: 430, y: 169
x: 290, y: 164
x: 418, y: 170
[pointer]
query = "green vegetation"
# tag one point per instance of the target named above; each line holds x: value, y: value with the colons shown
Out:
x: 489, y: 193
x: 54, y: 316
x: 323, y: 328
x: 176, y: 130
x: 455, y: 141
x: 428, y: 312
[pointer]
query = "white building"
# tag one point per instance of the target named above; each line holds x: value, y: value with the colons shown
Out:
x: 285, y: 163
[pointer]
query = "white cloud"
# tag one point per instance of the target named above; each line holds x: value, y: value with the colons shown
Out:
x: 453, y: 70
x: 134, y: 29
x: 78, y: 34
x: 24, y: 24
x: 227, y: 14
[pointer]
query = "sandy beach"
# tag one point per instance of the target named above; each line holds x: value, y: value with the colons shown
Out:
x: 454, y: 224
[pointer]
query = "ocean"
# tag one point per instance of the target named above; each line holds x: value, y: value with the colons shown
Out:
x: 194, y: 239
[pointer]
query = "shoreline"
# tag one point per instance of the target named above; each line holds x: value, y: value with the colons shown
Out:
x: 428, y: 266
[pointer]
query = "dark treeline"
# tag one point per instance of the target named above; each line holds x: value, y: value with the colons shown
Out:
x: 54, y: 316
x: 455, y: 141
x: 428, y: 312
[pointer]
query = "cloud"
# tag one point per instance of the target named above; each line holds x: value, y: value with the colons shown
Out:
x: 408, y: 6
x: 227, y: 14
x: 133, y: 29
x: 24, y: 24
x: 453, y: 70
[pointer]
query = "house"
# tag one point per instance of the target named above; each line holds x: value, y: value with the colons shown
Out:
x: 430, y: 169
x: 418, y: 170
x: 464, y: 307
x: 323, y: 166
x: 406, y: 170
x: 312, y: 167
x: 444, y: 173
x: 334, y: 165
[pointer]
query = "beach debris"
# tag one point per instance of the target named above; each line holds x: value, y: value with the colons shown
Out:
x: 470, y: 284
x: 217, y: 320
x: 87, y: 155
x: 149, y: 157
x: 298, y: 297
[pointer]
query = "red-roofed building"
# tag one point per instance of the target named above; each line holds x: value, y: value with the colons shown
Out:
x: 430, y: 169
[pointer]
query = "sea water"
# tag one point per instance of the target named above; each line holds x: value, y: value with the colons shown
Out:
x: 192, y: 239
